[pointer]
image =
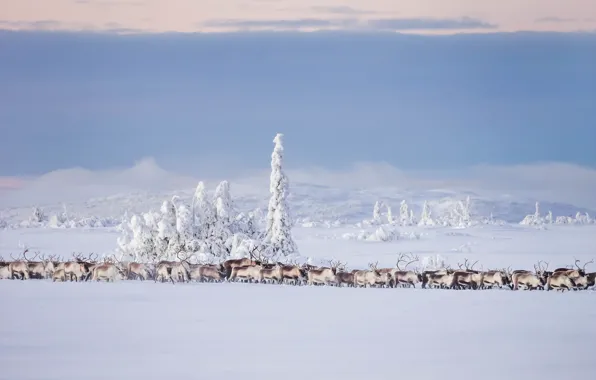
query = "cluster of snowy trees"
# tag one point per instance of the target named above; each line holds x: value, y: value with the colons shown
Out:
x: 537, y: 219
x: 63, y: 219
x: 211, y: 227
x: 459, y: 214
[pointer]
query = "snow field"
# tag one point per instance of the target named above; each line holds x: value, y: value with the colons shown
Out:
x: 132, y: 330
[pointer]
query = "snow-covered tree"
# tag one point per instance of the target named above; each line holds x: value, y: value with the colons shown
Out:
x: 224, y: 205
x: 412, y: 218
x: 535, y: 219
x: 549, y: 217
x: 279, y: 224
x: 37, y: 215
x: 390, y: 218
x: 404, y: 213
x: 426, y: 216
x: 377, y: 212
x: 205, y: 214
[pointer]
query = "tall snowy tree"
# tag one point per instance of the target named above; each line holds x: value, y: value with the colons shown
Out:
x: 204, y: 215
x: 426, y: 216
x: 279, y: 225
x: 390, y: 219
x: 224, y: 206
x: 404, y: 213
x: 377, y: 212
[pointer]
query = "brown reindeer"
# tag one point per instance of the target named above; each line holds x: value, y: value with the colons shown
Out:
x: 107, y: 272
x: 493, y: 278
x: 208, y: 272
x: 20, y: 267
x: 442, y: 280
x: 559, y: 281
x: 403, y: 277
x: 345, y: 278
x: 368, y: 278
x: 248, y: 273
x: 294, y: 273
x: 59, y: 276
x: 274, y: 274
x: 324, y: 275
x: 529, y: 280
x: 4, y: 270
x: 228, y: 265
x: 138, y: 271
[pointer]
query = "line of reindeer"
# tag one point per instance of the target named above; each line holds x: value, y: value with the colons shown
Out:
x: 259, y: 271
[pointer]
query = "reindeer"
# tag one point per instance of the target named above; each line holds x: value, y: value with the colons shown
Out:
x: 402, y: 276
x: 468, y: 277
x: 247, y: 272
x: 541, y: 272
x: 529, y: 280
x: 138, y: 271
x: 590, y: 280
x: 37, y: 269
x: 180, y: 270
x: 498, y: 278
x: 576, y: 275
x: 441, y: 280
x: 559, y: 281
x: 163, y: 271
x: 208, y: 272
x: 50, y: 265
x: 274, y: 274
x: 294, y: 273
x: 345, y: 278
x: 20, y: 267
x: 108, y: 272
x: 80, y: 269
x: 59, y: 275
x: 368, y: 278
x: 173, y: 270
x: 324, y: 275
x: 228, y: 265
x: 4, y: 270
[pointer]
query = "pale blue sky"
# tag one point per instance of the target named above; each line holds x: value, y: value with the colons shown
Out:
x: 416, y: 102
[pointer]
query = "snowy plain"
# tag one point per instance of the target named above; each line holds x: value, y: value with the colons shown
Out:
x: 141, y: 330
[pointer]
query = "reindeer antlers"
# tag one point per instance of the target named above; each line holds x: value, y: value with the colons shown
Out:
x: 403, y: 258
x: 467, y: 264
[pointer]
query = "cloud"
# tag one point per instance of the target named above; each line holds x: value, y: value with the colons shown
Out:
x: 111, y: 3
x: 428, y: 24
x: 33, y: 25
x: 54, y: 26
x: 291, y: 24
x: 388, y: 24
x: 341, y: 9
x: 10, y: 183
x: 545, y: 182
x: 555, y: 19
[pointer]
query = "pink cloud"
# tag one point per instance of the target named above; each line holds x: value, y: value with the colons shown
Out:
x: 11, y: 183
x: 198, y: 15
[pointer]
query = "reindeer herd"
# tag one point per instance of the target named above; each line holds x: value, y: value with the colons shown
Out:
x: 253, y: 270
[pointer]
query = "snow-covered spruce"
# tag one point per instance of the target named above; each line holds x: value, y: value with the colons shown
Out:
x: 278, y: 235
x: 205, y: 229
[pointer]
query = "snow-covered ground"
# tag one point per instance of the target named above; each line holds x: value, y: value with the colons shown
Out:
x: 133, y: 330
x: 493, y: 246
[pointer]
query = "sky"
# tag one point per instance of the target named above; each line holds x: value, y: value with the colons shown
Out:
x: 429, y: 99
x: 420, y: 16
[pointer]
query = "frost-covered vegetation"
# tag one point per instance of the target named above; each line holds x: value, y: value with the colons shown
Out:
x: 211, y: 227
x: 537, y: 219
